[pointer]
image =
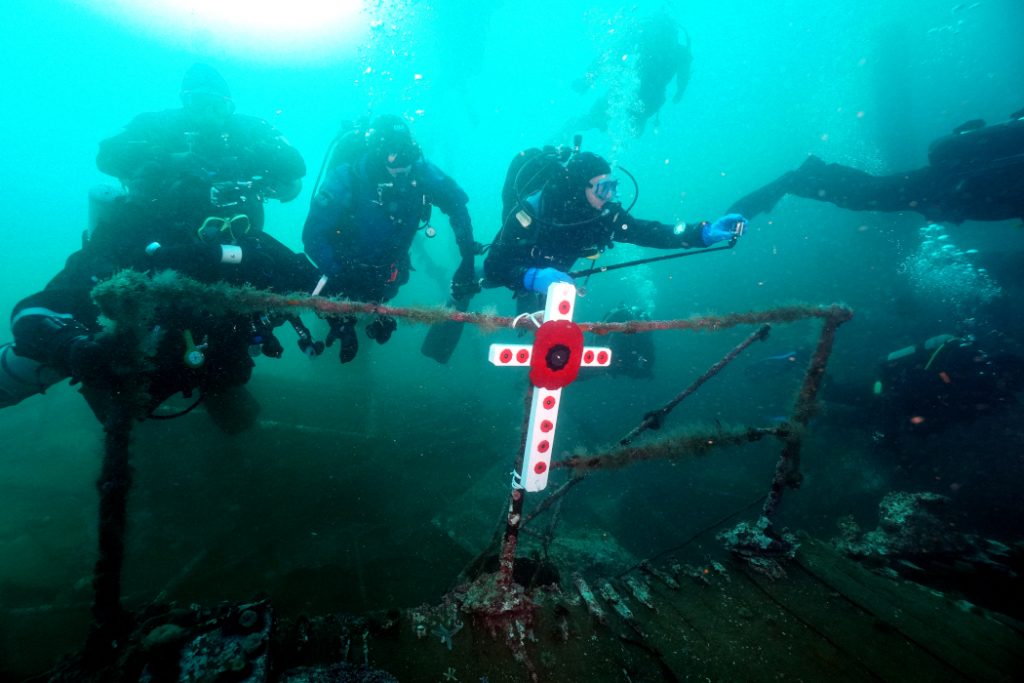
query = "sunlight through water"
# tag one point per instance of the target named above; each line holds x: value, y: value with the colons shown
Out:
x: 255, y: 29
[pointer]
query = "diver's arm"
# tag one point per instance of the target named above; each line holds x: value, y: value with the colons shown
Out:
x: 684, y: 58
x: 46, y: 323
x: 291, y: 271
x: 285, y: 191
x: 445, y: 193
x: 326, y: 213
x: 506, y: 263
x: 122, y: 155
x: 646, y: 233
x: 503, y: 267
x: 281, y: 165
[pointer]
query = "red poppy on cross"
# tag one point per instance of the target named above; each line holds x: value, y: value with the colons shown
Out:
x: 555, y: 358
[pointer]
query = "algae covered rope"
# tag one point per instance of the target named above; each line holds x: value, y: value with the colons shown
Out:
x: 714, y: 323
x: 669, y: 449
x: 130, y: 294
x: 134, y: 297
x: 694, y: 444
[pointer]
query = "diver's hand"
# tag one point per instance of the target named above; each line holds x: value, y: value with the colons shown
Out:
x: 95, y: 362
x: 539, y: 279
x: 728, y: 227
x: 309, y: 346
x: 464, y: 290
x: 464, y: 282
x: 344, y: 330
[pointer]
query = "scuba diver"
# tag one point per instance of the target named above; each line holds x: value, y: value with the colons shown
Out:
x: 929, y: 386
x: 632, y: 354
x: 560, y: 206
x: 58, y: 333
x: 976, y: 173
x: 946, y: 379
x: 182, y: 161
x: 203, y: 219
x: 654, y: 57
x: 364, y: 216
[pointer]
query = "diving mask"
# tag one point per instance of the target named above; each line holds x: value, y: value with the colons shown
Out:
x: 606, y: 189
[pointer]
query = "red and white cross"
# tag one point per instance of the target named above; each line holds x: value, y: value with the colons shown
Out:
x: 555, y: 358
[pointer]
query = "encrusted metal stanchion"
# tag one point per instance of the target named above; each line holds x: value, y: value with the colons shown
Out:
x: 654, y: 419
x: 514, y: 518
x: 759, y: 543
x: 114, y: 483
x: 125, y: 401
x: 787, y: 471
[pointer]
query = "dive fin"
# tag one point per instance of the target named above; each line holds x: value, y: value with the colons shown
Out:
x: 442, y: 338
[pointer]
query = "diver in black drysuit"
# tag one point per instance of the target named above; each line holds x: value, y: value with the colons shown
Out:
x: 655, y: 55
x: 197, y: 178
x: 58, y: 333
x: 632, y: 354
x: 976, y: 173
x: 929, y: 386
x: 555, y: 215
x: 942, y: 381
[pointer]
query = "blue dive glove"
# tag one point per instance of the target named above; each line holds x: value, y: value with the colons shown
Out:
x: 725, y: 228
x: 539, y: 279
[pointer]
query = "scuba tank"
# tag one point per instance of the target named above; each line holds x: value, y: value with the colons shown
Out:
x: 346, y: 147
x: 530, y: 171
x: 974, y: 145
x: 535, y: 169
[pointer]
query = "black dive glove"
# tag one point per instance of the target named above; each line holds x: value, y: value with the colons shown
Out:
x: 70, y: 348
x: 96, y: 363
x: 344, y: 330
x: 381, y: 328
x: 464, y: 283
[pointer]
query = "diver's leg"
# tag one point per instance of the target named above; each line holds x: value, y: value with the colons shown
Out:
x: 228, y: 402
x: 851, y: 188
x: 764, y: 199
x: 844, y: 186
x: 21, y: 377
